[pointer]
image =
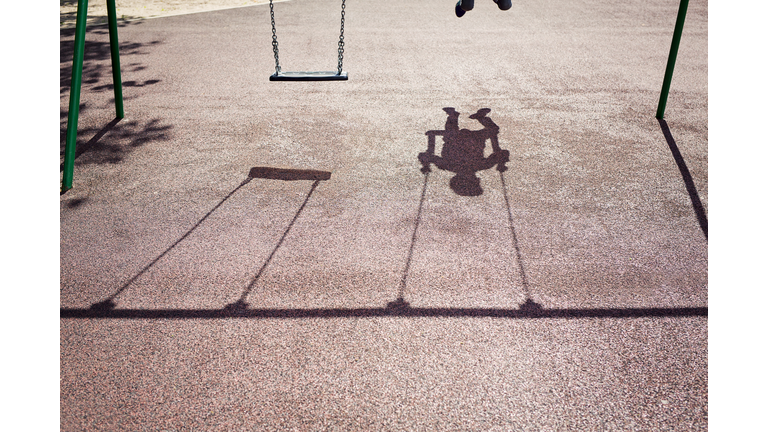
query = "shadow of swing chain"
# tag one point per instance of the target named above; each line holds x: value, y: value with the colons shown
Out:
x: 400, y: 302
x: 515, y: 243
x: 399, y: 308
x: 241, y: 304
x: 285, y: 174
x: 109, y: 302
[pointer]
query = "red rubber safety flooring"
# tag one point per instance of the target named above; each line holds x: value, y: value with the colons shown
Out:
x: 483, y: 228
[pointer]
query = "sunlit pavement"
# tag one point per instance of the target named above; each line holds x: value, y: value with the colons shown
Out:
x: 348, y: 283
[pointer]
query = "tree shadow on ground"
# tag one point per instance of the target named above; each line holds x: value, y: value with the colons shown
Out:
x: 123, y: 136
x: 97, y: 67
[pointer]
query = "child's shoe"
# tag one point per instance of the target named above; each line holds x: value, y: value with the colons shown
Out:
x: 503, y: 4
x: 459, y: 11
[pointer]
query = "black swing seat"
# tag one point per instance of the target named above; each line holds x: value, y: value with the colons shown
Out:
x: 309, y: 76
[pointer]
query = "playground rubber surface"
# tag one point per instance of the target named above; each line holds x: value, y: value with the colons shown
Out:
x: 240, y: 254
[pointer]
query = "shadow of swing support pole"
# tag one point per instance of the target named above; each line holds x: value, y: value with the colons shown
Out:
x: 76, y: 84
x: 672, y: 58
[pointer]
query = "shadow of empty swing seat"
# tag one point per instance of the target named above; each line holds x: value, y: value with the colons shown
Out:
x: 279, y: 75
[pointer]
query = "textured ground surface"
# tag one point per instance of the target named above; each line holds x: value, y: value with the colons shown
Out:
x: 128, y: 10
x: 599, y: 223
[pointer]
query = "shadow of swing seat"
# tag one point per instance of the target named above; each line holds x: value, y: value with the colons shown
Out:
x: 288, y: 174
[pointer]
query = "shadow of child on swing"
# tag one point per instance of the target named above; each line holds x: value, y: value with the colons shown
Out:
x: 463, y: 151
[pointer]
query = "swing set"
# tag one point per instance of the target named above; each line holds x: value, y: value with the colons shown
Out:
x: 279, y: 75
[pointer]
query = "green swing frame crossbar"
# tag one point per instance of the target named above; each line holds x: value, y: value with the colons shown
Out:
x: 309, y: 76
x: 77, y: 80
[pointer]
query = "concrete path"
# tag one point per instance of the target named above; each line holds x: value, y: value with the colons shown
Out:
x: 340, y: 287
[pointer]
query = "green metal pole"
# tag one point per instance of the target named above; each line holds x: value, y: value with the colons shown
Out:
x: 74, y: 96
x: 672, y: 57
x: 115, y: 51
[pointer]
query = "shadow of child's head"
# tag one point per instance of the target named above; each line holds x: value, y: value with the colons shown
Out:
x: 466, y: 184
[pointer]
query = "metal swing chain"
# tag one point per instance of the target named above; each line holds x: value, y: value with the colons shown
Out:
x: 274, y: 38
x: 341, y: 35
